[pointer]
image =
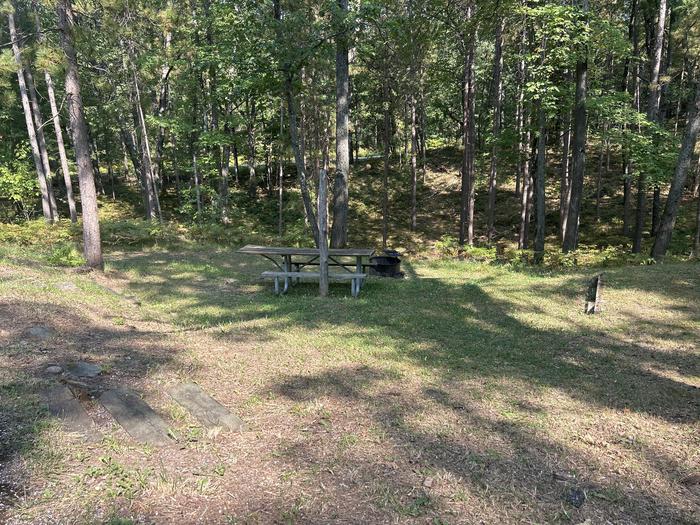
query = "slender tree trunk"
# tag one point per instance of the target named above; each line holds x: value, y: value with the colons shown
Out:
x: 322, y: 207
x: 387, y: 150
x: 339, y: 232
x: 539, y: 183
x: 655, y: 210
x: 497, y: 100
x: 41, y: 139
x: 61, y: 148
x: 579, y: 146
x: 413, y: 168
x: 57, y: 129
x: 601, y: 166
x: 663, y: 237
x: 466, y: 223
x: 28, y: 118
x: 564, y: 183
x: 147, y: 162
x: 252, y: 179
x: 652, y: 116
x: 520, y: 106
x: 525, y: 189
x: 627, y: 198
x: 92, y: 245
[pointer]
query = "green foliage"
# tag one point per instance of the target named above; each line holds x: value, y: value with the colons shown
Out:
x: 65, y: 254
x: 18, y: 184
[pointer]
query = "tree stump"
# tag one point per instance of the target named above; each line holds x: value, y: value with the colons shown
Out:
x: 593, y: 294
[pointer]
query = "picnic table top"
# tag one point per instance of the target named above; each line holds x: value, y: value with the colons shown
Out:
x: 288, y: 250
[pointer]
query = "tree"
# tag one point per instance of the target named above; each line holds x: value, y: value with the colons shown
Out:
x: 668, y: 220
x: 92, y: 245
x: 339, y: 231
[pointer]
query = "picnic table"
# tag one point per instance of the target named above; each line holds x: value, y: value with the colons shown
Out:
x: 292, y: 264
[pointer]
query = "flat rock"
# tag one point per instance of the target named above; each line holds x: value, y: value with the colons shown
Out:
x: 63, y: 405
x: 136, y: 417
x: 67, y: 286
x: 40, y: 332
x: 84, y: 369
x: 204, y: 408
x: 54, y: 369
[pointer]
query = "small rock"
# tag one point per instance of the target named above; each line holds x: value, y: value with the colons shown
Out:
x: 428, y: 482
x: 54, y: 369
x: 575, y: 497
x: 40, y: 332
x: 67, y: 286
x: 83, y: 369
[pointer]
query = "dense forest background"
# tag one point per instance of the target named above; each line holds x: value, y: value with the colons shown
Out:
x: 543, y: 125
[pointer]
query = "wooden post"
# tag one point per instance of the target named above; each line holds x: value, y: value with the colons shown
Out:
x: 323, y: 232
x: 593, y: 295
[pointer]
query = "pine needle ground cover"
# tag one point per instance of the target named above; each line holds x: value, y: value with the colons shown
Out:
x: 469, y: 392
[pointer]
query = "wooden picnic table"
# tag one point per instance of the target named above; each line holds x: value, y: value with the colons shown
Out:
x: 291, y: 262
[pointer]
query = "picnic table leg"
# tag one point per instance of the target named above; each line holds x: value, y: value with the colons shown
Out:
x: 287, y: 268
x: 358, y: 270
x: 277, y: 285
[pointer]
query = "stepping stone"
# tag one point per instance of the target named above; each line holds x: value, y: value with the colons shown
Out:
x: 136, y: 417
x: 67, y: 287
x: 204, y: 408
x: 63, y: 405
x: 40, y: 332
x: 83, y: 369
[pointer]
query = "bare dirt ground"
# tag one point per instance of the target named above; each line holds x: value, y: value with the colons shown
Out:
x: 468, y: 410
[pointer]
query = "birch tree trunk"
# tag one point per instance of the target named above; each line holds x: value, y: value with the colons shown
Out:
x: 31, y: 131
x: 41, y: 140
x: 92, y: 245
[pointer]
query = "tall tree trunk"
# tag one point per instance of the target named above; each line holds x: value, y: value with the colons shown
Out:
x: 413, y: 167
x: 61, y: 148
x: 497, y: 100
x: 466, y: 222
x: 147, y: 160
x: 564, y: 183
x: 57, y: 130
x: 29, y: 121
x: 579, y: 145
x: 322, y: 207
x: 652, y: 116
x: 339, y: 231
x: 663, y: 237
x: 92, y: 245
x: 540, y: 183
x: 41, y: 140
x: 525, y: 189
x: 604, y: 146
x: 251, y: 111
x: 387, y: 150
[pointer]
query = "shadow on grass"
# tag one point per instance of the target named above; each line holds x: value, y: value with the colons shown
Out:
x: 458, y: 330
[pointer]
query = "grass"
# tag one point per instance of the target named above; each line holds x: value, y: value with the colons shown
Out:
x: 454, y: 395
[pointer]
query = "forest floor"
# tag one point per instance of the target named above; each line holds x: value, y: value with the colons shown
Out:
x: 469, y: 392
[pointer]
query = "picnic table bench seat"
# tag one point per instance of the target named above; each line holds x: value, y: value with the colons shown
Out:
x: 354, y: 278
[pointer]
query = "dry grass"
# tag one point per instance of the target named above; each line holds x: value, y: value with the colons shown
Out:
x: 468, y: 393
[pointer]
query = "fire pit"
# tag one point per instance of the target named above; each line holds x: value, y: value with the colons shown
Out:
x: 386, y: 264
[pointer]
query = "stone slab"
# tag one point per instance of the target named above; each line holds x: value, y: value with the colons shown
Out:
x: 136, y: 417
x: 204, y: 408
x: 63, y: 405
x: 83, y: 369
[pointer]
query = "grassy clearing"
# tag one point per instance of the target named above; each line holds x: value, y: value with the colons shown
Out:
x: 467, y: 392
